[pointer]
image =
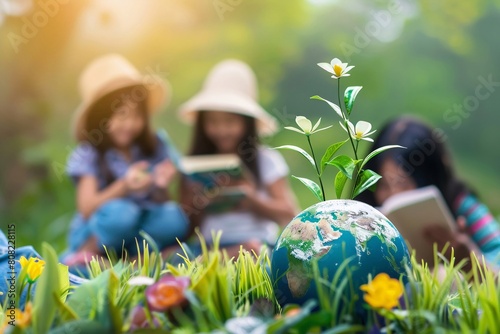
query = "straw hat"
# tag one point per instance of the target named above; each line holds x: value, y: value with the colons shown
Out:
x: 230, y: 86
x: 109, y: 73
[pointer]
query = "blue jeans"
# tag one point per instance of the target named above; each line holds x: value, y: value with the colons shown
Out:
x: 117, y: 223
x: 8, y: 257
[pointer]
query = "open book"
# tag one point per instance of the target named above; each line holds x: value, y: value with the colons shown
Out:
x: 412, y: 211
x: 212, y: 171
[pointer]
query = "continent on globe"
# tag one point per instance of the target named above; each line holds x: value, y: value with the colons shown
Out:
x: 329, y: 234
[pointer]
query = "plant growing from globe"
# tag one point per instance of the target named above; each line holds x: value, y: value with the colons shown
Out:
x: 350, y: 168
x: 345, y: 240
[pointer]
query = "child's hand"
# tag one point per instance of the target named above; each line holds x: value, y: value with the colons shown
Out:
x: 250, y: 190
x: 163, y: 174
x: 137, y: 177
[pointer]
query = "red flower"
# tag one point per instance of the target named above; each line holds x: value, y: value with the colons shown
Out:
x: 168, y: 292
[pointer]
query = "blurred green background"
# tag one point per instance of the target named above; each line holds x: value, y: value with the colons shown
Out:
x: 421, y: 57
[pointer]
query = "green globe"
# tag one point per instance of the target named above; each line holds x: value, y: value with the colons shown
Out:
x: 331, y: 233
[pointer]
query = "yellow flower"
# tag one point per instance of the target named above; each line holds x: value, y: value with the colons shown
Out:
x: 383, y: 292
x: 23, y: 319
x: 34, y: 267
x: 337, y: 68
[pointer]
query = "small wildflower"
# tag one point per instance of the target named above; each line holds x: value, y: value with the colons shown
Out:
x: 383, y: 292
x: 361, y: 131
x: 337, y: 68
x: 168, y: 292
x: 34, y: 267
x: 140, y: 281
x: 22, y: 319
x: 305, y: 126
x: 139, y: 320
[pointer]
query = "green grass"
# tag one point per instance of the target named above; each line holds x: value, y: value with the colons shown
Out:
x: 228, y: 294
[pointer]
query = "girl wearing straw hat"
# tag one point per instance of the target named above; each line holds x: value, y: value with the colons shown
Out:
x: 121, y: 169
x: 228, y: 119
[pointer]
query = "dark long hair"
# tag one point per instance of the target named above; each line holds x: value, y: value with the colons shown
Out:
x: 96, y: 125
x: 247, y: 149
x: 426, y: 158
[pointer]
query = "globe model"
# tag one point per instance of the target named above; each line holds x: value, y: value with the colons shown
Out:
x: 338, y: 235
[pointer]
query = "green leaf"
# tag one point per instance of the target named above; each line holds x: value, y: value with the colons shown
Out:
x: 63, y: 280
x: 48, y: 286
x: 312, y: 186
x: 300, y: 322
x: 297, y: 149
x: 114, y: 310
x: 80, y: 326
x: 157, y: 263
x: 66, y: 313
x: 223, y: 295
x: 345, y: 328
x: 321, y: 319
x: 349, y: 97
x: 340, y: 181
x: 377, y: 152
x: 330, y: 151
x: 345, y: 164
x: 366, y: 179
x: 91, y: 300
x: 331, y: 104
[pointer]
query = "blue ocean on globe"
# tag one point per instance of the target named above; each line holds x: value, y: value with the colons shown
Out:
x: 328, y: 233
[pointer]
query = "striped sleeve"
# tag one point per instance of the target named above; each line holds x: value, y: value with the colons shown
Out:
x: 480, y: 225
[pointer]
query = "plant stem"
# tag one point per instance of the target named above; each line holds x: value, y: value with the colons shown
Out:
x: 355, y: 181
x: 354, y: 147
x: 346, y: 123
x: 317, y: 168
x: 355, y: 173
x: 28, y: 294
x: 149, y: 317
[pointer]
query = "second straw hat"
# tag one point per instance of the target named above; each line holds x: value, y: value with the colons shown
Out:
x: 109, y: 73
x: 230, y: 86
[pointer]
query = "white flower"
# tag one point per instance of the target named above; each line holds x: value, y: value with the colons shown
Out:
x: 305, y: 126
x: 337, y: 68
x: 359, y: 132
x: 140, y: 280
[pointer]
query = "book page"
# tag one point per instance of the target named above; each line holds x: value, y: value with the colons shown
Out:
x: 412, y: 211
x: 209, y: 163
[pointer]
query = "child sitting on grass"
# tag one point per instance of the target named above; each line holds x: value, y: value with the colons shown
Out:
x: 121, y: 169
x: 229, y: 120
x: 424, y: 162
